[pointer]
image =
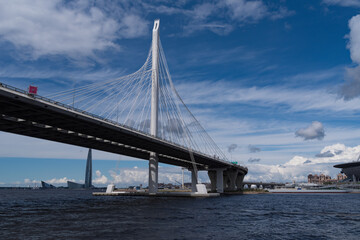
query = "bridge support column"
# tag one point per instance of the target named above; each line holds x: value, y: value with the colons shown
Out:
x: 225, y: 180
x: 239, y: 181
x: 220, y: 180
x: 194, y: 178
x: 153, y: 173
x: 232, y: 176
x: 212, y: 177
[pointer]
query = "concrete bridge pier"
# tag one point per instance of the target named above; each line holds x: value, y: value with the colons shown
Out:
x: 226, y: 180
x: 220, y: 180
x: 231, y: 176
x: 153, y: 173
x: 217, y: 179
x: 194, y: 181
x: 239, y: 181
x: 212, y: 177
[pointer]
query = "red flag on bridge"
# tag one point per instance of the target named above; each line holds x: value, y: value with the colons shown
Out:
x: 33, y: 90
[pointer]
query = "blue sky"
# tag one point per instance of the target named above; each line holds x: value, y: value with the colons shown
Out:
x: 275, y: 80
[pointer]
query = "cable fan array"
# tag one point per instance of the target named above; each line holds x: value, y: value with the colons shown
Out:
x: 127, y: 101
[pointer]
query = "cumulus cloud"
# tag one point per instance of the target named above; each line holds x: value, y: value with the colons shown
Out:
x: 59, y: 180
x: 100, y: 179
x: 351, y: 88
x: 28, y: 181
x: 335, y: 153
x: 136, y: 176
x: 298, y: 167
x: 254, y: 149
x: 314, y: 131
x: 332, y: 151
x: 325, y: 154
x: 252, y: 160
x: 130, y: 176
x: 354, y: 38
x: 343, y: 3
x: 41, y: 27
x: 329, y: 153
x: 232, y: 147
x: 278, y: 173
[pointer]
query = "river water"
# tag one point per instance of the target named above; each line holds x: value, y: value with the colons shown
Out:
x: 69, y: 214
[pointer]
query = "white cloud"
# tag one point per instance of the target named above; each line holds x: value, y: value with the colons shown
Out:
x: 299, y: 99
x: 314, y: 131
x: 41, y: 27
x: 203, y: 11
x: 50, y: 181
x: 351, y: 87
x: 136, y: 176
x: 133, y: 26
x: 59, y: 180
x: 242, y: 10
x: 354, y: 38
x: 279, y: 173
x: 28, y: 181
x: 219, y: 16
x: 130, y: 176
x: 100, y: 179
x: 344, y: 3
x: 298, y: 167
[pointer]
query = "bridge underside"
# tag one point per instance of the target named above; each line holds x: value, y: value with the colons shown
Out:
x: 25, y: 115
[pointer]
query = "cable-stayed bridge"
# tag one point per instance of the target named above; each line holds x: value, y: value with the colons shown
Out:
x: 139, y: 115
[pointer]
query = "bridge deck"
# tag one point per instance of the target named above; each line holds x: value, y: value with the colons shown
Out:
x: 42, y: 118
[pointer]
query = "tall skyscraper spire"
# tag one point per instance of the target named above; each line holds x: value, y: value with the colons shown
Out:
x: 88, y: 171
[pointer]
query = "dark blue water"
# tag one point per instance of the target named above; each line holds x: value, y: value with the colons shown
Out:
x: 66, y: 214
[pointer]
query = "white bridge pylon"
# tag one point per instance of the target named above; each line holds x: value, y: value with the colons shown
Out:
x: 145, y: 101
x: 154, y: 159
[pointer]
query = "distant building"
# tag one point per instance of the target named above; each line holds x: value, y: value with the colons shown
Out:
x: 88, y: 176
x: 341, y: 177
x: 322, y: 178
x: 319, y: 179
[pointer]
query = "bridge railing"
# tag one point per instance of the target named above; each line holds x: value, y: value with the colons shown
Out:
x: 45, y: 99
